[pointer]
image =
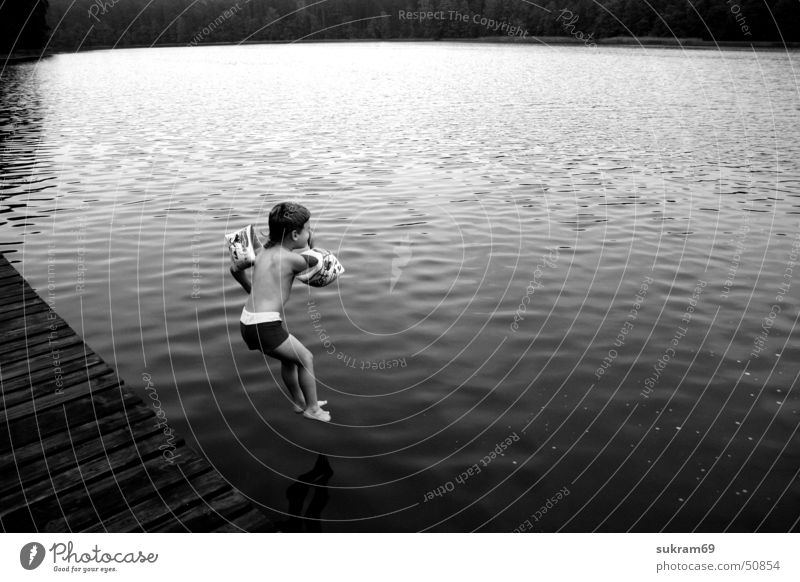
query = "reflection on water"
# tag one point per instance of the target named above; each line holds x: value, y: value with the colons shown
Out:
x: 307, y: 498
x: 498, y: 210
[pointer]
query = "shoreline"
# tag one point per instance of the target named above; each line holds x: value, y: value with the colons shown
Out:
x: 619, y: 41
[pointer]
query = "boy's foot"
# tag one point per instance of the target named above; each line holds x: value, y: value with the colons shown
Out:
x: 318, y: 414
x: 299, y: 408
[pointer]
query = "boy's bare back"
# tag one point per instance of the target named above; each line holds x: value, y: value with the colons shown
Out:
x: 273, y: 274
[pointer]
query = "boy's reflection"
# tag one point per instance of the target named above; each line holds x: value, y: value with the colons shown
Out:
x: 315, y: 481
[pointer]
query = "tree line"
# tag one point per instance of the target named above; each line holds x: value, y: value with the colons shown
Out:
x: 23, y: 25
x: 71, y: 25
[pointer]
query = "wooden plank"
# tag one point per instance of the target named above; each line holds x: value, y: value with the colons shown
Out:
x: 29, y: 358
x: 20, y: 319
x: 26, y: 305
x: 149, y: 513
x: 31, y: 327
x: 44, y: 384
x: 17, y: 292
x: 87, y: 507
x: 44, y: 362
x: 44, y: 336
x: 208, y: 516
x: 17, y: 295
x: 19, y: 323
x: 38, y: 451
x: 47, y: 380
x: 57, y: 420
x: 85, y: 390
x: 51, y: 381
x: 7, y: 269
x: 59, y: 460
x: 74, y: 375
x: 44, y: 497
x: 5, y: 263
x: 88, y: 456
x: 11, y: 282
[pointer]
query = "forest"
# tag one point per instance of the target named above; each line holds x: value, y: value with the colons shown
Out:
x: 70, y: 25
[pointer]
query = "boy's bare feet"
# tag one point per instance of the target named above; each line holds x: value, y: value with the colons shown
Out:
x: 299, y: 408
x: 318, y: 414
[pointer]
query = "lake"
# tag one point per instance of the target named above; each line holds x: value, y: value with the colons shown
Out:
x: 571, y: 296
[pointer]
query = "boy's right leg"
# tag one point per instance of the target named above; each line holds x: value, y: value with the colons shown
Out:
x: 289, y: 375
x: 294, y: 351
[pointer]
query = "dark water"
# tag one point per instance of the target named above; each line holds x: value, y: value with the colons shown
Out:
x: 564, y: 255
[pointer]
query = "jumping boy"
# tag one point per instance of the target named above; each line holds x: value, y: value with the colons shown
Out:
x: 261, y: 324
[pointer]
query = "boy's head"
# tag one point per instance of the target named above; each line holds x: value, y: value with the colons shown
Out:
x: 288, y: 220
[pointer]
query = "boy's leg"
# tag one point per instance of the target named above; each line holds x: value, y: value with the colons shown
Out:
x: 294, y: 351
x: 289, y: 375
x: 290, y: 379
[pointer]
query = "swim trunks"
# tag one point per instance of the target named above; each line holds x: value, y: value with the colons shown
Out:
x: 262, y: 330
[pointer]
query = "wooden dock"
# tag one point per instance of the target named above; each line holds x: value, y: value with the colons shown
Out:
x: 80, y: 452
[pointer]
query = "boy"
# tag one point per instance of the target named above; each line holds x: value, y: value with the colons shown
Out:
x: 261, y: 323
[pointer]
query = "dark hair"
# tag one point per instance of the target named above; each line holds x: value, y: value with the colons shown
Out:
x: 284, y: 218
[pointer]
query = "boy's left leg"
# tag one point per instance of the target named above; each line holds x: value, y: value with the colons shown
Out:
x: 293, y: 350
x: 289, y: 373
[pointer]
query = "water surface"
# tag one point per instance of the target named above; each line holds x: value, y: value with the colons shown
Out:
x: 561, y: 264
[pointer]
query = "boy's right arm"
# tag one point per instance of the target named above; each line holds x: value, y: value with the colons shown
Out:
x: 242, y: 278
x: 241, y: 275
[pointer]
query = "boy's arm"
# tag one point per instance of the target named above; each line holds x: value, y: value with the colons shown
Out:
x: 242, y: 278
x: 302, y: 262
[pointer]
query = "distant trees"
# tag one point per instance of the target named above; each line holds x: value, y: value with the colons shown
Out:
x: 23, y: 25
x: 144, y: 22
